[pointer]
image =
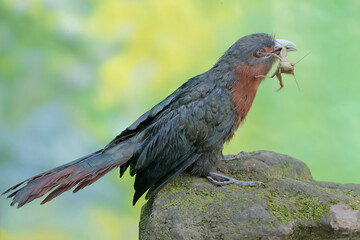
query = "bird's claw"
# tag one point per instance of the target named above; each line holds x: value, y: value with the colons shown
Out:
x: 230, y: 180
x: 241, y: 155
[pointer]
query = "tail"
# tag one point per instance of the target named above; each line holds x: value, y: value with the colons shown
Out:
x: 81, y: 172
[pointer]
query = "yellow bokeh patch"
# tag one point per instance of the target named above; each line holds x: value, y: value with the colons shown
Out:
x: 167, y: 37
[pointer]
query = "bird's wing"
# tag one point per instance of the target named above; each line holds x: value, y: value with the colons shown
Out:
x: 165, y: 154
x: 147, y: 118
x: 196, y: 121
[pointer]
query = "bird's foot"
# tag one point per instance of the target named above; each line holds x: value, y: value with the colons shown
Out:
x: 241, y: 155
x: 225, y: 180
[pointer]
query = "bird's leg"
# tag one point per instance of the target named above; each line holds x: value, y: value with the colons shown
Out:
x: 224, y: 180
x: 241, y: 155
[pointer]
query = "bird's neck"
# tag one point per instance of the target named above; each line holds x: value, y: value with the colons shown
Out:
x: 244, y: 90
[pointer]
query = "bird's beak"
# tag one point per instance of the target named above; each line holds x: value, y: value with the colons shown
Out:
x: 280, y: 43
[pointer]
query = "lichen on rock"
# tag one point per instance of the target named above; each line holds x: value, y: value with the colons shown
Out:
x: 290, y: 206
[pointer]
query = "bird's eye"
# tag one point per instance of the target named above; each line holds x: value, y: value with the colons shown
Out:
x: 260, y: 52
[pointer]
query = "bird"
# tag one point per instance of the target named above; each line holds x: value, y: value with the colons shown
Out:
x: 184, y: 132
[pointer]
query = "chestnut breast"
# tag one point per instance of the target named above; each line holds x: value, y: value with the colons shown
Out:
x: 244, y: 90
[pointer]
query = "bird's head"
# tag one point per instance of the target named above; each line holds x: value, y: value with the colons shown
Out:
x: 255, y: 51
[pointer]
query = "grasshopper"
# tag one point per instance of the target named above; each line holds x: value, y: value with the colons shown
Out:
x: 284, y: 66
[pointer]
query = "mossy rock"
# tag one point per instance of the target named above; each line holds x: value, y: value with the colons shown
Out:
x: 290, y: 206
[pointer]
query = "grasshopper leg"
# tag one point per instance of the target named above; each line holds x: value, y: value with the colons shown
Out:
x: 278, y: 75
x: 264, y: 76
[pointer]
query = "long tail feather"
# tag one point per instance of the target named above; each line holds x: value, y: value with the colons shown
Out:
x: 81, y: 172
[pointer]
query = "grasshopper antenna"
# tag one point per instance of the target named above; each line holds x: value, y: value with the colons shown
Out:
x: 297, y: 84
x: 302, y: 58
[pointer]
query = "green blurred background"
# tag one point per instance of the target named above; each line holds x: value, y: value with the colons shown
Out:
x: 73, y: 74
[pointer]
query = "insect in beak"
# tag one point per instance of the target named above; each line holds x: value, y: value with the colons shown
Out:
x: 281, y: 48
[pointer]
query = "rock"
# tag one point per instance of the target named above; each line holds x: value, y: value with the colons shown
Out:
x: 290, y: 206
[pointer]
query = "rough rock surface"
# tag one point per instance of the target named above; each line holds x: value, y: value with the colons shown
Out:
x: 290, y: 206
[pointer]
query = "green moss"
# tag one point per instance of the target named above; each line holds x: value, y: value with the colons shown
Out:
x: 334, y: 201
x: 260, y: 196
x: 354, y: 206
x: 145, y: 217
x: 301, y: 206
x: 202, y: 192
x: 309, y: 208
x: 220, y: 237
x: 173, y: 202
x: 349, y: 196
x: 275, y: 206
x: 178, y: 186
x: 239, y: 177
x: 165, y: 232
x: 354, y: 200
x: 199, y: 198
x: 231, y: 190
x: 217, y: 194
x: 281, y: 212
x: 272, y: 223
